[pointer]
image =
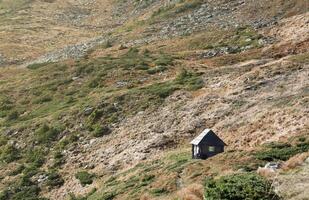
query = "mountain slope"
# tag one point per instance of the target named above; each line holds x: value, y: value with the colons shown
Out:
x: 115, y: 91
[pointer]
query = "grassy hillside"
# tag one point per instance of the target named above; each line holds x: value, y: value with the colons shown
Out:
x: 112, y: 117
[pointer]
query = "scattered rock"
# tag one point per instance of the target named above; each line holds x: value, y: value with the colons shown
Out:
x: 88, y: 111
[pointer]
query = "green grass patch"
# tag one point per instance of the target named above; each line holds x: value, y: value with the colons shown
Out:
x: 54, y: 180
x: 159, y: 192
x: 35, y: 157
x: 47, y: 134
x: 281, y: 151
x: 9, y: 153
x: 84, y: 177
x: 37, y: 65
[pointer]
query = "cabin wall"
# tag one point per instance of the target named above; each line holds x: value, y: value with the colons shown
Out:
x: 205, y: 153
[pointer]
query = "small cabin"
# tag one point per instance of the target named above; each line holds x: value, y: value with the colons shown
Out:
x: 206, y: 145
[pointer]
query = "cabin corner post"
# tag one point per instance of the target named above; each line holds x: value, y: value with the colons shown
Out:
x: 192, y: 151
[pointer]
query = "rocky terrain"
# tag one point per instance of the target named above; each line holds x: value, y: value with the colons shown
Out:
x: 99, y: 99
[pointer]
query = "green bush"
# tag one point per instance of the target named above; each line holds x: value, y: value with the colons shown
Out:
x: 37, y: 65
x: 239, y: 187
x: 162, y: 90
x: 47, y: 134
x: 17, y: 171
x: 24, y: 189
x: 13, y: 116
x: 43, y: 99
x: 3, y: 140
x: 164, y: 60
x: 190, y: 80
x: 84, y: 177
x: 30, y: 170
x: 100, y: 131
x: 281, y: 151
x: 9, y: 153
x: 156, y: 69
x: 159, y: 191
x: 71, y: 139
x: 58, y: 159
x: 96, y: 115
x: 35, y: 157
x: 54, y: 180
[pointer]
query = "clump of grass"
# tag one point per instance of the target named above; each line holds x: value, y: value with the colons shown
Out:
x: 190, y: 80
x: 3, y: 140
x: 281, y: 151
x: 164, y: 60
x: 147, y: 179
x: 84, y: 177
x: 162, y: 90
x: 19, y: 169
x: 9, y: 153
x: 69, y: 140
x: 47, y: 134
x: 43, y: 99
x: 36, y: 156
x: 100, y: 131
x: 23, y: 189
x: 156, y: 69
x: 301, y: 58
x: 37, y: 65
x: 54, y: 180
x: 58, y: 159
x: 159, y: 191
x: 14, y: 115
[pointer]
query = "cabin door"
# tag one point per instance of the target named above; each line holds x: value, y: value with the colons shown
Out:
x: 196, y: 150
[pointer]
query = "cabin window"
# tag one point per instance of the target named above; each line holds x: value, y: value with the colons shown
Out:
x: 211, y: 149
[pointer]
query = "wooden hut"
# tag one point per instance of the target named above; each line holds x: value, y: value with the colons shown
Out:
x: 206, y: 145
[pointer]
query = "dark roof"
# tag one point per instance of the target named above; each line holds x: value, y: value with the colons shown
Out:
x: 207, y: 134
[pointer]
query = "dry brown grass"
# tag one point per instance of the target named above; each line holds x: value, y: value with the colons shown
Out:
x: 295, y: 161
x: 145, y: 197
x: 265, y: 172
x: 192, y: 192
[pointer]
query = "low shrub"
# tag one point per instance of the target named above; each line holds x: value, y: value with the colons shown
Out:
x: 281, y: 151
x: 159, y: 191
x: 35, y: 157
x: 239, y: 187
x: 58, y: 159
x: 24, y: 189
x: 17, y: 171
x: 84, y: 177
x: 9, y: 153
x: 164, y: 60
x: 43, y: 99
x: 47, y: 134
x: 190, y: 80
x: 3, y: 140
x: 156, y: 69
x: 12, y: 116
x: 100, y: 131
x: 54, y: 180
x: 162, y: 90
x: 37, y: 65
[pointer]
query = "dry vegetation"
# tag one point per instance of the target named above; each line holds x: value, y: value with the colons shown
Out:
x: 115, y: 123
